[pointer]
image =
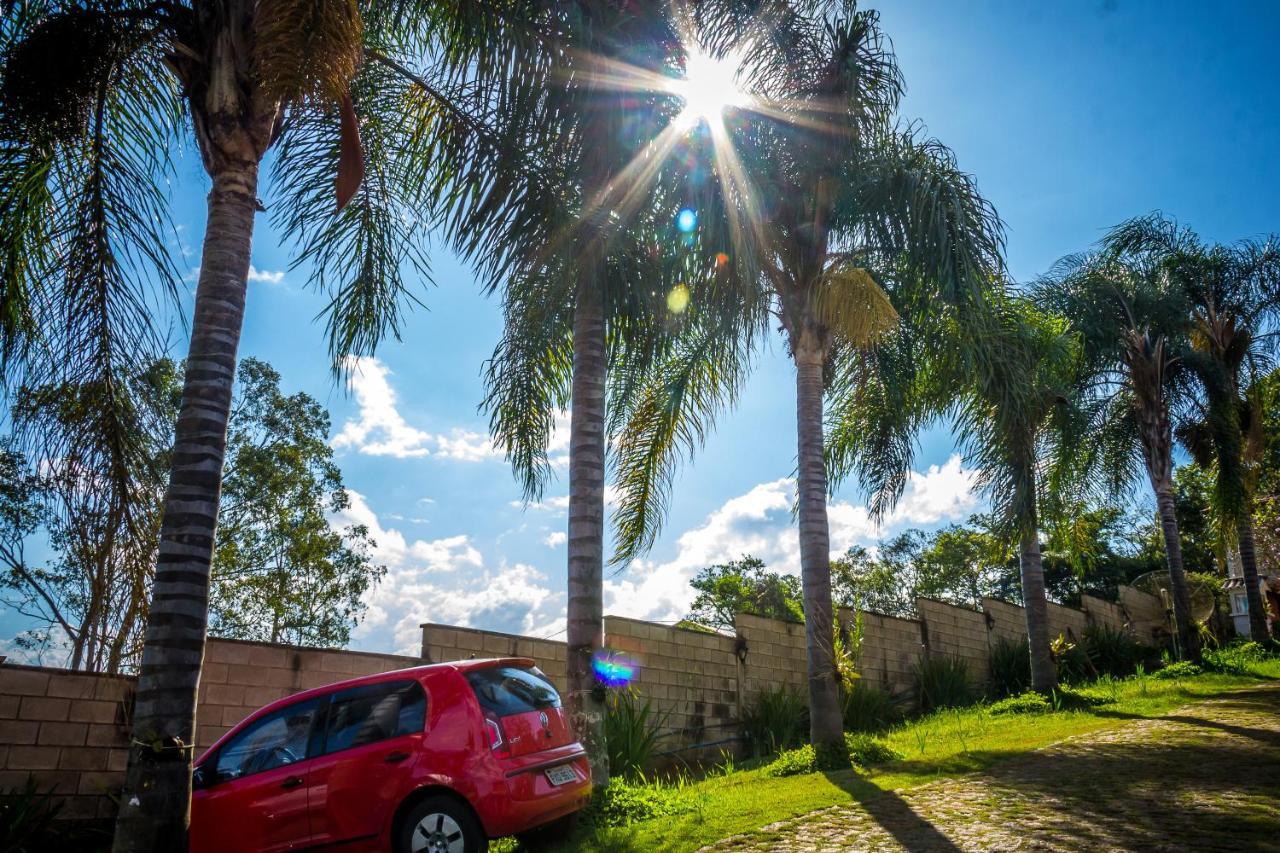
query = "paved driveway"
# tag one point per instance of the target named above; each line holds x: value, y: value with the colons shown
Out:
x: 1205, y: 777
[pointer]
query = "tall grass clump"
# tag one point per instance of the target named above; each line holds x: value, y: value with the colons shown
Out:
x: 1072, y: 661
x: 867, y: 708
x: 942, y: 682
x: 1112, y: 651
x: 1010, y: 665
x: 632, y: 729
x: 777, y: 720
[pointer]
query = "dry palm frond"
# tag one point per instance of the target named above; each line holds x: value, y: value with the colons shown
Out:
x: 854, y: 307
x: 52, y: 77
x: 307, y: 49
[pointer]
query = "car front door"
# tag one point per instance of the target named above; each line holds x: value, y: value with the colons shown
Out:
x: 370, y: 743
x: 251, y: 795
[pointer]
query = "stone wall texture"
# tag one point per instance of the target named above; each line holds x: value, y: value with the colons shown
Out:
x: 71, y: 729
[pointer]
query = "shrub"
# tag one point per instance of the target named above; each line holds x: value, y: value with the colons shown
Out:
x: 793, y: 762
x: 941, y: 682
x: 867, y: 708
x: 27, y: 816
x: 632, y: 730
x: 1010, y: 663
x: 1181, y: 669
x: 623, y: 802
x: 867, y: 750
x: 1112, y: 651
x: 1024, y: 703
x: 1235, y: 658
x: 1071, y: 660
x: 777, y: 720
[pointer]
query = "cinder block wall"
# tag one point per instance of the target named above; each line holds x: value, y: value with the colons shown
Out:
x: 890, y: 648
x: 442, y: 643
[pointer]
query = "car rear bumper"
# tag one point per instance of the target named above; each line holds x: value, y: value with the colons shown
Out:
x: 532, y: 800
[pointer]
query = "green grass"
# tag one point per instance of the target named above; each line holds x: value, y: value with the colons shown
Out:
x: 946, y: 743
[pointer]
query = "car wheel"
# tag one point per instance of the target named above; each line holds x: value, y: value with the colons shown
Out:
x: 440, y: 825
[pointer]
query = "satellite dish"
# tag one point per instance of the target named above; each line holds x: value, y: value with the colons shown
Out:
x: 1199, y: 592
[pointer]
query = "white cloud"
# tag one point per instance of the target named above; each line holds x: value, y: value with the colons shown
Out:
x: 436, y: 556
x: 380, y: 429
x: 556, y: 539
x: 265, y: 276
x: 760, y: 523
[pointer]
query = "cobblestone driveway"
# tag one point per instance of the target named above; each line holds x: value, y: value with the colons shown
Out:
x: 1205, y: 777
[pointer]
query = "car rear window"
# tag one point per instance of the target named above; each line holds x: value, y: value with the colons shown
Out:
x: 507, y: 690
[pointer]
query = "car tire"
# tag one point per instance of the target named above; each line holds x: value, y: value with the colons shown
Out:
x: 440, y: 825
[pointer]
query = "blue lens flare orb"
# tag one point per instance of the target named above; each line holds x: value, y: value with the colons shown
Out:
x: 686, y: 220
x: 611, y: 669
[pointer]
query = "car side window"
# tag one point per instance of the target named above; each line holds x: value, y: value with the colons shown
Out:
x: 374, y: 712
x: 272, y: 741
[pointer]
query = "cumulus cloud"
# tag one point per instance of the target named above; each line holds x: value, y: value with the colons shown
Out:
x: 380, y: 430
x: 265, y: 276
x: 556, y: 539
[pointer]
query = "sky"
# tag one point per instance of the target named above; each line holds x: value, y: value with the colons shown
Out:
x: 1073, y: 116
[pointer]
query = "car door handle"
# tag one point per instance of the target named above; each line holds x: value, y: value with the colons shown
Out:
x: 396, y: 757
x: 291, y: 782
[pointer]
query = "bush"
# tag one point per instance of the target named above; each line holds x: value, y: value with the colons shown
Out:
x: 866, y: 750
x: 1112, y: 651
x: 622, y: 802
x: 1024, y: 703
x: 27, y: 816
x: 868, y: 709
x: 1072, y: 661
x: 793, y: 762
x: 776, y: 721
x: 1010, y: 663
x: 1236, y: 658
x: 941, y: 682
x: 1181, y: 669
x: 632, y: 731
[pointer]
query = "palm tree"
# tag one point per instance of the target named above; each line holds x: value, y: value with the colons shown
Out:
x: 834, y: 205
x: 1234, y: 297
x: 1134, y: 323
x: 91, y: 99
x: 1028, y: 449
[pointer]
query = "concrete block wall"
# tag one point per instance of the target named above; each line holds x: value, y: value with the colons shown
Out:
x: 890, y: 648
x: 958, y: 632
x: 68, y: 730
x: 1103, y: 612
x: 442, y: 643
x: 775, y: 655
x: 1145, y: 613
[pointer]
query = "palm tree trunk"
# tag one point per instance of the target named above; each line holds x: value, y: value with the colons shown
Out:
x: 585, y: 611
x: 826, y: 729
x: 1044, y: 675
x: 155, y: 803
x: 1249, y: 569
x: 1187, y: 634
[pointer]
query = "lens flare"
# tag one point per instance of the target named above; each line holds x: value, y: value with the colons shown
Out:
x: 686, y: 220
x: 612, y: 669
x: 678, y: 299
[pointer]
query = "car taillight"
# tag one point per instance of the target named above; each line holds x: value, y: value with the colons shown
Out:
x: 493, y: 734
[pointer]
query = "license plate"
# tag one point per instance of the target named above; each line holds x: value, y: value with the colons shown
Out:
x: 562, y: 774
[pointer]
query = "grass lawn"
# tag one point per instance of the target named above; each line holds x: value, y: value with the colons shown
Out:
x: 944, y: 744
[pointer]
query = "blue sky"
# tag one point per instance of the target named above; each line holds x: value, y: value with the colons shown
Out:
x: 1072, y: 115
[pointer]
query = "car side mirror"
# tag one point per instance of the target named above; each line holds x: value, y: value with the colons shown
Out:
x: 200, y: 778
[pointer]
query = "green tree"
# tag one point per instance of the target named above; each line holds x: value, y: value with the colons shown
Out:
x: 1234, y: 296
x: 744, y: 586
x: 281, y: 572
x: 833, y: 201
x: 1135, y: 326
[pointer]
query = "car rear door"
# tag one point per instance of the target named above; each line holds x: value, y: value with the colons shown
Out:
x: 252, y: 793
x: 369, y: 746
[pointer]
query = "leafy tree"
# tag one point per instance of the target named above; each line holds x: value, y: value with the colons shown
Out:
x: 1234, y: 296
x: 744, y: 586
x: 281, y: 573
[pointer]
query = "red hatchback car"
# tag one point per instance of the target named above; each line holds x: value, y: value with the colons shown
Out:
x: 436, y: 758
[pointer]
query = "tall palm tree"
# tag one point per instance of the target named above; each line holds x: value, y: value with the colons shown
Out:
x: 834, y: 204
x: 1234, y: 297
x: 92, y: 99
x: 1028, y: 448
x: 1134, y: 323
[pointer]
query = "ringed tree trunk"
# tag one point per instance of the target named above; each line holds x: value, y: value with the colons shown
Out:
x: 585, y: 607
x: 1044, y: 674
x: 1249, y: 569
x: 155, y: 803
x: 826, y: 726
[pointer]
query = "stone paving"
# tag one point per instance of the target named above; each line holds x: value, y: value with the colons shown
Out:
x: 1205, y: 777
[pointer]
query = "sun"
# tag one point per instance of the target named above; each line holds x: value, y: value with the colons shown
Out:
x: 710, y: 86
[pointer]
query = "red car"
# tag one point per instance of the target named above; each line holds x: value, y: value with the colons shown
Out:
x: 435, y: 758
